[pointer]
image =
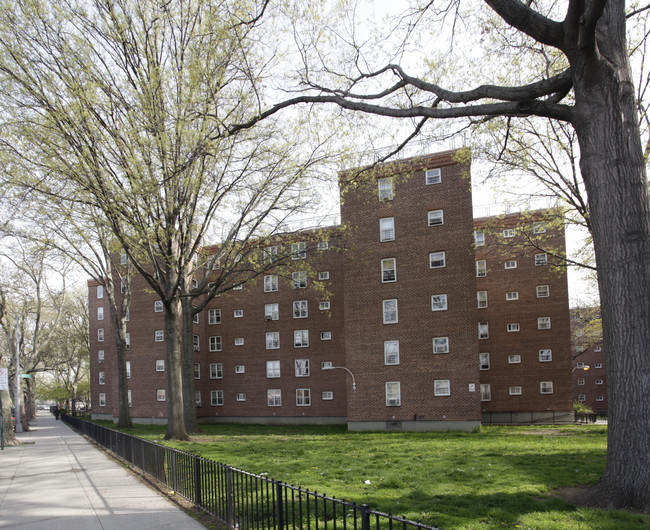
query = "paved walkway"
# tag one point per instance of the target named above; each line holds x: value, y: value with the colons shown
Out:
x: 58, y: 480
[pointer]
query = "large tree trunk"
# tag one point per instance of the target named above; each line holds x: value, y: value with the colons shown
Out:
x: 119, y: 335
x: 8, y: 435
x: 189, y: 405
x: 175, y: 418
x: 613, y: 169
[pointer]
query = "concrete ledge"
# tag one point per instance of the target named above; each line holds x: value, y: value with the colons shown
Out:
x: 414, y: 426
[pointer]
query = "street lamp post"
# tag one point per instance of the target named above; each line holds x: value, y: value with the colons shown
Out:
x: 354, y: 383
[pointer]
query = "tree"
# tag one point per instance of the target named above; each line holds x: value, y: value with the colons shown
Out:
x: 590, y: 87
x: 145, y: 111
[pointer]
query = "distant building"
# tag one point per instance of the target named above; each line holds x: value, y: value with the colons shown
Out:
x: 398, y: 319
x: 588, y: 360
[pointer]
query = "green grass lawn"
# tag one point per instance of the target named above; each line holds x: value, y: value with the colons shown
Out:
x: 501, y: 477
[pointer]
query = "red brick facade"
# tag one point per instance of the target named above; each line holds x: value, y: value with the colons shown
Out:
x: 400, y: 278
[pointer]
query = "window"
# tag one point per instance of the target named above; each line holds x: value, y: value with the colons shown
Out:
x: 513, y: 327
x: 599, y: 381
x: 301, y: 338
x: 598, y: 349
x: 327, y: 395
x: 510, y: 264
x: 600, y: 398
x: 122, y: 285
x: 100, y: 335
x: 129, y: 398
x: 215, y: 343
x: 325, y: 275
x: 514, y: 390
x: 541, y: 259
x: 324, y: 305
x: 393, y: 397
x: 303, y: 397
x: 436, y: 260
x: 128, y: 314
x: 481, y: 299
x: 160, y: 394
x: 240, y: 369
x: 302, y: 367
x: 597, y: 365
x: 438, y: 302
x: 483, y: 330
x: 387, y: 229
x: 484, y: 361
x: 509, y: 232
x: 237, y: 286
x: 388, y: 270
x: 240, y: 396
x: 432, y: 176
x: 273, y: 340
x: 323, y: 245
x: 100, y: 356
x: 195, y: 318
x: 238, y: 313
x: 299, y: 250
x: 385, y: 189
x: 542, y: 291
x: 196, y: 342
x: 544, y: 323
x: 580, y: 364
x: 102, y: 378
x: 274, y: 397
x: 272, y: 368
x: 127, y: 365
x: 441, y: 387
x: 486, y: 392
x: 481, y: 268
x: 325, y: 335
x: 216, y: 371
x: 159, y: 335
x: 390, y: 311
x: 546, y: 387
x: 127, y: 340
x: 582, y: 397
x: 100, y: 313
x: 514, y: 359
x: 100, y: 291
x: 160, y: 365
x: 271, y: 312
x: 299, y: 279
x: 391, y: 352
x: 545, y: 356
x: 270, y: 283
x: 539, y: 228
x: 435, y: 217
x: 270, y: 254
x: 326, y: 365
x: 197, y: 370
x: 214, y: 316
x: 239, y: 341
x: 216, y: 398
x: 512, y: 295
x: 479, y: 238
x: 102, y: 399
x: 441, y: 345
x: 300, y: 309
x: 581, y: 381
x: 158, y: 306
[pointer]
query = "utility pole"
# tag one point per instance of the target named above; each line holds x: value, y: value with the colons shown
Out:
x: 19, y: 425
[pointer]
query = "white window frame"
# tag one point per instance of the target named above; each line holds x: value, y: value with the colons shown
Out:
x: 299, y: 279
x: 214, y: 316
x: 486, y: 391
x: 582, y: 397
x: 215, y: 343
x: 300, y: 338
x: 385, y: 189
x: 272, y: 340
x: 438, y: 302
x: 440, y: 345
x: 390, y: 315
x: 274, y: 397
x: 541, y: 259
x: 127, y: 341
x: 298, y: 250
x: 441, y: 387
x: 545, y: 355
x: 437, y: 260
x: 303, y: 397
x: 512, y: 295
x: 325, y: 335
x: 432, y: 176
x: 160, y: 365
x: 240, y: 369
x: 300, y: 309
x: 196, y: 342
x: 391, y: 352
x: 238, y: 313
x: 544, y: 323
x: 101, y: 378
x: 435, y: 218
x: 481, y: 299
x: 479, y: 238
x: 514, y: 358
x: 324, y: 275
x: 599, y: 381
x: 327, y: 395
x: 388, y: 265
x: 101, y: 356
x: 515, y: 390
x: 127, y: 366
x: 216, y: 370
x: 161, y: 394
x: 100, y: 334
x: 539, y: 228
x: 581, y: 381
x: 100, y: 313
x: 272, y: 311
x: 546, y: 387
x: 393, y: 394
x: 541, y: 289
x: 158, y: 306
x: 324, y: 305
x: 240, y: 396
x: 513, y: 327
x: 508, y: 232
x: 600, y: 398
x: 481, y: 268
x: 270, y: 254
x: 270, y: 283
x: 598, y: 365
x: 483, y: 330
x: 239, y: 341
x: 159, y: 335
x: 323, y: 245
x: 216, y: 398
x: 102, y: 399
x: 100, y: 291
x: 510, y: 264
x: 484, y: 361
x: 387, y: 229
x: 301, y: 367
x: 273, y: 369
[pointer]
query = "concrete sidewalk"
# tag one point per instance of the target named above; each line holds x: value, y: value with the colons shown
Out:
x: 56, y: 479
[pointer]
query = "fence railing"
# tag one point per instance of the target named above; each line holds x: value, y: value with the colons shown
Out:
x: 240, y: 499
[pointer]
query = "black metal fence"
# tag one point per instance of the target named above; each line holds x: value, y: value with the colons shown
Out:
x: 240, y: 499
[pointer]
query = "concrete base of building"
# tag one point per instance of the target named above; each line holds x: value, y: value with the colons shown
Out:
x: 141, y: 421
x: 543, y: 417
x: 276, y: 420
x: 414, y: 426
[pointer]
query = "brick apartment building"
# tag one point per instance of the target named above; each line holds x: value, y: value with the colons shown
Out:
x: 379, y: 323
x: 588, y: 361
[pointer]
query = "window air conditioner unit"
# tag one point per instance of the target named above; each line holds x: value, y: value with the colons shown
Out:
x: 199, y: 404
x: 393, y: 401
x: 196, y: 348
x: 268, y: 317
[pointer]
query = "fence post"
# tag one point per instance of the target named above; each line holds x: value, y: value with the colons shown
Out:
x: 365, y: 517
x: 174, y: 475
x: 278, y: 502
x: 230, y: 501
x: 197, y: 481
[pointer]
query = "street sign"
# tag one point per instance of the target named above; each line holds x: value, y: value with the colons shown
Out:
x: 25, y: 376
x: 4, y: 379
